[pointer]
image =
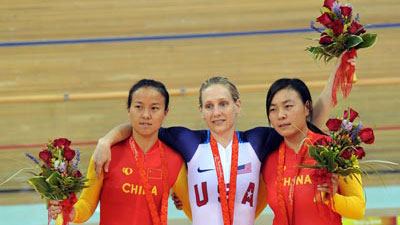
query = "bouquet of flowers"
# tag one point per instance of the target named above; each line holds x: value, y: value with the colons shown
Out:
x: 339, y: 152
x: 59, y: 177
x: 341, y: 33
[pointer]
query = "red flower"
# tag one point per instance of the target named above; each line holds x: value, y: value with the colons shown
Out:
x: 353, y: 115
x: 337, y: 27
x: 356, y: 28
x: 346, y: 154
x: 367, y: 135
x: 346, y: 11
x: 322, y: 141
x: 325, y: 40
x: 77, y: 174
x: 62, y: 142
x: 333, y: 124
x: 69, y: 154
x: 328, y: 3
x: 324, y: 19
x: 360, y: 153
x: 45, y: 155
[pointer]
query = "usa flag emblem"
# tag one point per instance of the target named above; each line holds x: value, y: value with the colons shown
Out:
x: 243, y: 169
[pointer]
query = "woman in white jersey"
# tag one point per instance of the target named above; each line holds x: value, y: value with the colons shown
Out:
x: 223, y: 165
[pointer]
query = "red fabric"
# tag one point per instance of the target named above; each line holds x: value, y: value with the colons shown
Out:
x: 305, y: 210
x: 158, y: 218
x: 67, y: 206
x: 320, y: 177
x: 227, y: 205
x: 122, y: 199
x: 344, y: 75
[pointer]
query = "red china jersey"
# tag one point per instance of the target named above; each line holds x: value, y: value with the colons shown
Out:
x: 122, y: 198
x: 305, y: 210
x: 121, y: 192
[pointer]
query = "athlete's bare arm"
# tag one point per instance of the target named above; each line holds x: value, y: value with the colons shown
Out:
x: 102, y: 153
x: 324, y: 104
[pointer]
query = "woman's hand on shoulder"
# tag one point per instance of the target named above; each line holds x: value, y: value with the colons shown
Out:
x: 102, y: 156
x: 178, y: 203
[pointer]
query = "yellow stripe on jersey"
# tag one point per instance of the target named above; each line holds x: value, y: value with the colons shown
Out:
x: 180, y: 188
x: 262, y: 197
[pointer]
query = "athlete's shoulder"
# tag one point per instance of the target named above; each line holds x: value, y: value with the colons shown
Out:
x: 184, y: 133
x: 263, y: 140
x: 183, y: 140
x: 316, y: 136
x: 256, y: 132
x: 172, y: 155
x: 120, y: 145
x: 260, y: 136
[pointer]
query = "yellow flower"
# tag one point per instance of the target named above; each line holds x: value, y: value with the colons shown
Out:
x: 324, y: 9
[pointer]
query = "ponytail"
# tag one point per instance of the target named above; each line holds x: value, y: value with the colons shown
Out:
x: 314, y: 128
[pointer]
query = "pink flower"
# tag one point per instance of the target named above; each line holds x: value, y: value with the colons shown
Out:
x: 367, y: 135
x: 346, y: 154
x: 78, y: 174
x: 353, y: 115
x: 45, y: 155
x: 337, y: 27
x: 360, y: 153
x: 62, y: 142
x: 356, y: 28
x: 346, y: 11
x: 333, y: 124
x: 324, y: 19
x: 325, y: 40
x: 69, y: 154
x: 322, y: 141
x: 328, y: 3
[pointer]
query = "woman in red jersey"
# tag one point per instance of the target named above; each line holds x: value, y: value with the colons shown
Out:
x: 293, y: 192
x: 143, y: 170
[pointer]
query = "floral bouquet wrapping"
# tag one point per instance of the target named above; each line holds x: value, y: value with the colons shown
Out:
x: 59, y: 177
x: 341, y: 33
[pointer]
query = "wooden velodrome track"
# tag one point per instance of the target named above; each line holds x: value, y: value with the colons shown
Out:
x: 32, y: 68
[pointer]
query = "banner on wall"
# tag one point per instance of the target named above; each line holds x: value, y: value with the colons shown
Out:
x: 393, y: 220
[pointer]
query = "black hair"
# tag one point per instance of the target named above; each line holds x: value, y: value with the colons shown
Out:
x: 149, y: 83
x: 301, y: 88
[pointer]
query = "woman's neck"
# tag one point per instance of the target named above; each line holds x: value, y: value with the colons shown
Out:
x: 225, y: 138
x: 145, y: 142
x: 295, y: 141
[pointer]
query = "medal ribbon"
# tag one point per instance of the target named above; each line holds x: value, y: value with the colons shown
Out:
x: 288, y: 217
x: 139, y: 158
x: 227, y: 205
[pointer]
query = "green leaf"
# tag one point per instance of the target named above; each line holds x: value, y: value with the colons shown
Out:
x: 40, y: 185
x: 54, y: 178
x: 313, y: 153
x: 311, y: 166
x: 353, y: 41
x: 330, y: 157
x: 368, y: 40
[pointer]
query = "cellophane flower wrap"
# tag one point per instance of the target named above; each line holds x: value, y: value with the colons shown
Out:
x: 340, y: 151
x: 59, y: 177
x: 341, y: 32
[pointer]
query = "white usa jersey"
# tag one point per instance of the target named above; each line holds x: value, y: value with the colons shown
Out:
x: 194, y: 146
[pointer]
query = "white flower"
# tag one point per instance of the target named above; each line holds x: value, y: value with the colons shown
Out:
x: 60, y: 165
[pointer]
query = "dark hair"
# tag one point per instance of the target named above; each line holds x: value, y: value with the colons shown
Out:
x: 149, y: 83
x: 222, y: 81
x: 301, y: 88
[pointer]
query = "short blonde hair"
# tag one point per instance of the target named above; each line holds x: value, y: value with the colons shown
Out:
x: 219, y: 80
